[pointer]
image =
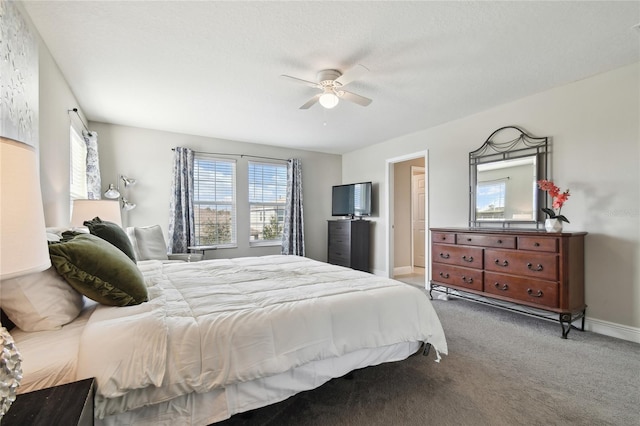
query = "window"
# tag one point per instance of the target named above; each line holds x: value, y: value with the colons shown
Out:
x: 490, y: 199
x: 267, y: 202
x: 214, y: 201
x: 77, y: 166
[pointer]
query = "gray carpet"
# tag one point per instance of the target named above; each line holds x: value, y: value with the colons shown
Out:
x: 503, y: 368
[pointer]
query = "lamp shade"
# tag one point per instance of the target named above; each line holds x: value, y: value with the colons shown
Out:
x: 328, y: 99
x: 23, y: 238
x: 107, y: 210
x: 112, y: 192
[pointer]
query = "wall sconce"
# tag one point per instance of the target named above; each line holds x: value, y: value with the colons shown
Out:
x: 113, y: 192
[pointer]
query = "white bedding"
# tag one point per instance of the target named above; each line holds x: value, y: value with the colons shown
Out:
x: 236, y: 332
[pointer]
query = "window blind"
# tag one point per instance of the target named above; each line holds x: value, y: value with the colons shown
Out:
x: 214, y: 201
x: 78, y: 166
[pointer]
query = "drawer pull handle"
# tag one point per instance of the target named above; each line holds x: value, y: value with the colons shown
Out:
x: 444, y: 237
x: 504, y: 287
x: 504, y: 263
x: 499, y: 241
x: 445, y: 255
x: 536, y: 244
x: 467, y: 259
x: 468, y: 239
x: 444, y: 275
x: 530, y: 293
x: 467, y: 280
x: 537, y: 268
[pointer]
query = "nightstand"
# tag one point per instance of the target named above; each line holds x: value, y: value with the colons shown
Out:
x: 70, y: 404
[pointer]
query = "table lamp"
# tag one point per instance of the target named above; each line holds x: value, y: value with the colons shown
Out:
x: 23, y: 244
x: 106, y: 210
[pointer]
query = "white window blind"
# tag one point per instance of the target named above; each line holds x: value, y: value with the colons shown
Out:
x: 78, y: 166
x: 267, y: 201
x: 214, y: 201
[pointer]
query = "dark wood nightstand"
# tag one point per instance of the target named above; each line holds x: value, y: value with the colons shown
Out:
x: 70, y: 404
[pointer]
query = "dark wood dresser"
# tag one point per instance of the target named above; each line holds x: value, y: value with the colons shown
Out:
x: 349, y: 243
x: 531, y: 268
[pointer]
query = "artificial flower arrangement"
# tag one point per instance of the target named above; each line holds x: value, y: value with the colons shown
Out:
x: 559, y: 198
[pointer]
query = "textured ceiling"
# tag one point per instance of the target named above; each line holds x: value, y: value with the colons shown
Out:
x: 212, y: 68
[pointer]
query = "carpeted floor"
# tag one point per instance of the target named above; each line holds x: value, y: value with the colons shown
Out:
x: 503, y: 368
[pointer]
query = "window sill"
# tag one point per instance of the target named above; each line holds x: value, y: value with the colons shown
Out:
x: 264, y: 243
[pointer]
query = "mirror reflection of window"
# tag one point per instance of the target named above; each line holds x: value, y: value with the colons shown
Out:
x: 490, y: 200
x: 505, y: 190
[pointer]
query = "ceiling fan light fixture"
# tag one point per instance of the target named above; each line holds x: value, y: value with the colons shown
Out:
x: 328, y: 100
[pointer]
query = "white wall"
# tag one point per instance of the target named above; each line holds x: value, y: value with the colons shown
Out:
x: 56, y: 98
x: 146, y: 155
x: 594, y: 127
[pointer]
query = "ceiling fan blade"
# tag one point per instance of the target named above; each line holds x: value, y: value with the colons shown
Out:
x: 353, y: 74
x: 360, y: 100
x: 300, y: 81
x: 311, y: 102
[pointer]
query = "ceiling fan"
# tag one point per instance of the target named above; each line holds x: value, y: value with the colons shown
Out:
x: 331, y: 83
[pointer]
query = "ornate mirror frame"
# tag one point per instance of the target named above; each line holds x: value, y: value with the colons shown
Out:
x: 495, y: 153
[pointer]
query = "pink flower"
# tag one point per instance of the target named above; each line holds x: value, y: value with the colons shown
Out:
x: 547, y: 185
x: 558, y: 199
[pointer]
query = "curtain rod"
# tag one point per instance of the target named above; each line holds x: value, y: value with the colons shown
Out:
x: 238, y: 155
x: 80, y: 118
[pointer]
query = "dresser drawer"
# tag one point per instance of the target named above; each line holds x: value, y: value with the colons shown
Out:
x: 340, y: 227
x: 498, y: 241
x: 339, y: 238
x: 457, y: 276
x: 549, y: 245
x: 443, y: 237
x: 469, y: 257
x: 538, y: 292
x: 340, y: 258
x: 537, y: 265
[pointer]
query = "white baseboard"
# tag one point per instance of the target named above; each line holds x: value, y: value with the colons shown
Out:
x: 402, y: 270
x: 612, y: 329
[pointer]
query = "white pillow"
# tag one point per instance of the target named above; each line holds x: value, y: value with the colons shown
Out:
x: 40, y: 301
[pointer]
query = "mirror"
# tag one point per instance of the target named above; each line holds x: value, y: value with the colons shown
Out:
x: 503, y: 177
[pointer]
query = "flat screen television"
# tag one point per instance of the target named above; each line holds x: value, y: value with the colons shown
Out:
x: 351, y: 200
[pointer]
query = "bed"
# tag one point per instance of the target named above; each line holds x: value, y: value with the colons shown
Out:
x: 220, y: 337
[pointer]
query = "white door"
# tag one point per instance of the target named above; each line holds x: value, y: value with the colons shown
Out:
x: 418, y: 218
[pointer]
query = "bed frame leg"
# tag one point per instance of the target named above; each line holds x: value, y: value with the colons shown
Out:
x: 426, y: 349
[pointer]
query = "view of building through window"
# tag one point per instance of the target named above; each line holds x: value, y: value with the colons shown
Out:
x: 267, y: 200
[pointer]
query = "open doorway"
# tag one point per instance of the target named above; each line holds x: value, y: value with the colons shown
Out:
x: 407, y: 218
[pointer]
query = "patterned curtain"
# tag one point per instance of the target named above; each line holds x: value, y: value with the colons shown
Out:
x: 181, y: 221
x: 93, y: 165
x: 293, y: 233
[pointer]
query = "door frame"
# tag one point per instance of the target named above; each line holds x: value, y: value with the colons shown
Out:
x: 390, y: 163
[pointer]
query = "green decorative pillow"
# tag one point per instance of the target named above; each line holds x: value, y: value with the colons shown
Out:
x: 99, y: 270
x: 113, y: 233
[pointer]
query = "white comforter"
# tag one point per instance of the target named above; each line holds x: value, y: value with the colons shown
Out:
x: 213, y: 323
